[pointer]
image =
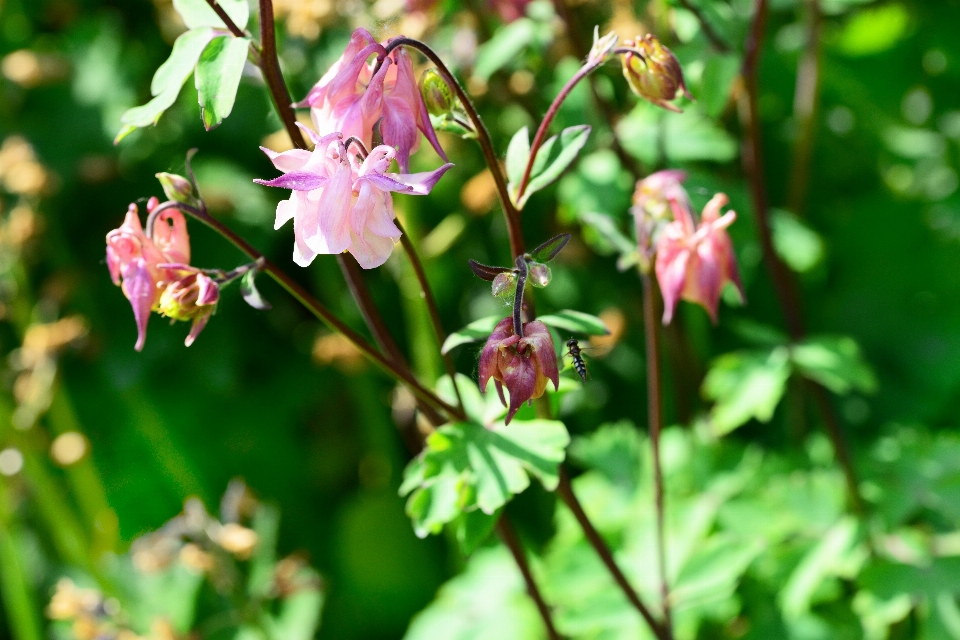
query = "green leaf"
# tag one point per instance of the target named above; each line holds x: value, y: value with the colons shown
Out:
x: 168, y: 80
x: 197, y: 13
x: 518, y: 153
x: 745, y: 385
x: 613, y: 450
x: 476, y: 330
x: 800, y: 246
x: 835, y: 362
x: 606, y: 227
x: 549, y: 249
x: 575, y: 322
x: 218, y: 77
x: 874, y: 30
x: 466, y: 466
x: 474, y: 527
x: 248, y: 289
x: 503, y: 47
x: 554, y: 157
x: 826, y: 559
x: 719, y: 73
x: 266, y: 524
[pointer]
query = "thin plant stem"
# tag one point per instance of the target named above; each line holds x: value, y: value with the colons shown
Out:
x: 541, y: 134
x: 783, y: 282
x: 805, y: 102
x: 514, y: 230
x: 716, y: 41
x: 565, y: 491
x: 655, y: 418
x: 270, y: 65
x: 305, y: 298
x: 512, y: 542
x: 432, y: 309
x: 227, y: 20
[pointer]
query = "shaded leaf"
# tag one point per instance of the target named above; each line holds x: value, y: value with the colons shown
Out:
x: 835, y: 362
x: 466, y: 466
x: 549, y: 249
x: 248, y: 289
x: 827, y: 558
x: 474, y: 527
x: 719, y: 73
x: 505, y: 45
x: 577, y: 322
x: 554, y: 157
x: 218, y: 77
x: 485, y: 271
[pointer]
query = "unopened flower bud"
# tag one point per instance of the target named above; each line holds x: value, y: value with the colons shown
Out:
x: 193, y: 296
x: 653, y: 72
x: 539, y: 274
x: 436, y: 93
x: 177, y: 188
x: 505, y: 285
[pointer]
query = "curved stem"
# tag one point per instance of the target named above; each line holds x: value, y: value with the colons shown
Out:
x: 314, y: 306
x: 512, y: 542
x: 270, y: 65
x: 565, y: 491
x: 227, y: 20
x: 432, y: 308
x: 538, y: 139
x: 655, y: 418
x: 510, y: 212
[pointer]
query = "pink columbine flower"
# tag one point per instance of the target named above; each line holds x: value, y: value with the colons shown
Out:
x: 694, y: 262
x: 341, y: 204
x: 138, y: 263
x: 522, y: 365
x: 651, y: 208
x: 350, y: 98
x: 193, y: 296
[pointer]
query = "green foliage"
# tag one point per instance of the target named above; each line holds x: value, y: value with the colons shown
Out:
x: 218, y: 76
x: 573, y: 321
x: 554, y: 156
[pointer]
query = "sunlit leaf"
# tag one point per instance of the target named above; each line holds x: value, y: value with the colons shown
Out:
x: 474, y: 527
x: 874, y: 30
x: 504, y: 47
x: 835, y: 362
x: 197, y: 13
x: 549, y: 249
x: 554, y: 157
x: 476, y: 330
x: 248, y: 289
x: 800, y: 246
x: 719, y: 73
x: 466, y: 466
x: 826, y: 559
x: 218, y: 77
x: 518, y: 153
x: 745, y: 385
x: 577, y: 322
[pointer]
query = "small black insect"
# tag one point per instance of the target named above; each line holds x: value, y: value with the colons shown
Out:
x: 573, y: 348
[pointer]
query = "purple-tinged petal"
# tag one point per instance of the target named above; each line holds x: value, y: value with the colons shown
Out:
x: 296, y: 180
x: 292, y: 160
x: 671, y: 270
x: 209, y: 292
x: 333, y: 232
x: 421, y: 183
x: 198, y: 324
x: 141, y: 291
x: 520, y: 378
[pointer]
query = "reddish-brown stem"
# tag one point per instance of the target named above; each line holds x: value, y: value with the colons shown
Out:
x: 314, y: 306
x: 805, y: 101
x: 541, y: 134
x: 565, y: 491
x: 432, y: 308
x: 512, y: 542
x: 510, y: 212
x: 715, y: 40
x: 655, y: 418
x: 783, y: 282
x: 270, y: 65
x: 227, y: 20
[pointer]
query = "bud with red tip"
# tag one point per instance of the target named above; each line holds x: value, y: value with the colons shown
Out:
x: 193, y: 296
x: 653, y: 72
x: 694, y: 262
x: 523, y: 365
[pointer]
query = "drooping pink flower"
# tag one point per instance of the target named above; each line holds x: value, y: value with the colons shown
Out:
x: 522, y: 365
x: 694, y: 262
x: 651, y: 207
x: 136, y: 262
x: 193, y: 296
x: 350, y: 98
x: 340, y: 204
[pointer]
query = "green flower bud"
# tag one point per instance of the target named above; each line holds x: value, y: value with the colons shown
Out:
x: 505, y: 285
x: 436, y: 93
x: 653, y: 72
x: 177, y: 188
x: 539, y: 274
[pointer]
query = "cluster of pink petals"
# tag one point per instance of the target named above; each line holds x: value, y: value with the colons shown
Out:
x: 651, y: 205
x: 350, y: 98
x: 522, y: 365
x: 192, y: 296
x: 141, y: 265
x: 340, y: 204
x: 694, y: 262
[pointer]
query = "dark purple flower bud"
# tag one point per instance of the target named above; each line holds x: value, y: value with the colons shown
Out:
x: 522, y: 365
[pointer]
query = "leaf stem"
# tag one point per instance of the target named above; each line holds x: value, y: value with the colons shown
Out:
x: 655, y: 419
x: 509, y: 537
x: 510, y: 212
x: 314, y: 306
x: 432, y: 309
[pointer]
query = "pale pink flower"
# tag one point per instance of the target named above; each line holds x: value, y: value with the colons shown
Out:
x: 139, y: 264
x: 522, y: 365
x: 694, y: 262
x: 350, y: 98
x: 340, y: 204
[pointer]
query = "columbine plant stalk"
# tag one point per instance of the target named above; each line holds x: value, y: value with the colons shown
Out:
x: 369, y: 113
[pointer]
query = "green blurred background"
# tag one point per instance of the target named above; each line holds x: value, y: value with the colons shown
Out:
x: 270, y: 397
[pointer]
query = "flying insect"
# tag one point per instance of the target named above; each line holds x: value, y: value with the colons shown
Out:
x: 573, y: 349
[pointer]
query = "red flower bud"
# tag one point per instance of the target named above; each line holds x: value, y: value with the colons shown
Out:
x: 522, y: 365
